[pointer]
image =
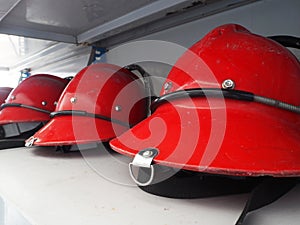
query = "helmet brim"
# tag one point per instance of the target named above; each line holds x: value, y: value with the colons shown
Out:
x: 246, y: 139
x: 19, y: 115
x: 70, y: 130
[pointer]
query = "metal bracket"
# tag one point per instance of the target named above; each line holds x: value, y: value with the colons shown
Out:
x: 144, y: 159
x: 97, y: 55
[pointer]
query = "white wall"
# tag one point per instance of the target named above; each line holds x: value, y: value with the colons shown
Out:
x: 266, y: 17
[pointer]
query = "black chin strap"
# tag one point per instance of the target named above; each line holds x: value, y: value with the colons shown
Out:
x: 188, y: 185
x: 168, y: 182
x: 268, y: 191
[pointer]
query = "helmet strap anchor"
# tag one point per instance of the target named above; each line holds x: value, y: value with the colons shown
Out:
x: 143, y: 159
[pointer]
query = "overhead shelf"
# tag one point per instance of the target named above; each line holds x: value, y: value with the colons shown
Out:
x: 88, y: 21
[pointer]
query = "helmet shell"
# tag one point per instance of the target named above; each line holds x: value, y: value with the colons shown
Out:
x: 41, y: 91
x: 104, y: 90
x: 225, y: 136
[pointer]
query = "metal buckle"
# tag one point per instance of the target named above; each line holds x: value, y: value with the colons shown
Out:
x: 143, y: 158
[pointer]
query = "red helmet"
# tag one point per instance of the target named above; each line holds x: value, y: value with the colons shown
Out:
x: 27, y: 108
x: 229, y: 106
x: 4, y: 92
x: 102, y: 100
x: 33, y: 99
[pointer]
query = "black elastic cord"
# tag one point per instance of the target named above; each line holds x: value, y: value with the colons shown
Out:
x: 222, y: 93
x: 86, y: 114
x: 202, y: 92
x: 5, y: 105
x: 287, y: 41
x: 268, y: 191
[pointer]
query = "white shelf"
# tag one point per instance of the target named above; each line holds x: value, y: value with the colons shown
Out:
x: 52, y: 188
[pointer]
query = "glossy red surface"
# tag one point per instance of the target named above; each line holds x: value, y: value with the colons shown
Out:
x: 221, y: 136
x: 97, y: 89
x: 33, y: 91
x: 68, y: 130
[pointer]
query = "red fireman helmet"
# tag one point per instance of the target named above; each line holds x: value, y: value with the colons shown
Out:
x: 4, y: 92
x: 229, y: 106
x: 101, y: 101
x: 33, y: 99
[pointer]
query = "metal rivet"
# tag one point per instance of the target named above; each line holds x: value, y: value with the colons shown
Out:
x: 73, y: 100
x: 147, y: 153
x: 55, y: 103
x: 13, y: 97
x: 228, y: 84
x: 118, y: 108
x: 168, y: 86
x: 44, y: 103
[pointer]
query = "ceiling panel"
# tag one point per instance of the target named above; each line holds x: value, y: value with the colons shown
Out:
x: 69, y: 17
x: 79, y: 21
x: 86, y: 20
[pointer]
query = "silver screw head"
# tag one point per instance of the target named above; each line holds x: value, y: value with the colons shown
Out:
x: 147, y: 153
x: 44, y: 103
x: 118, y: 108
x: 228, y: 84
x: 73, y: 100
x: 13, y: 97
